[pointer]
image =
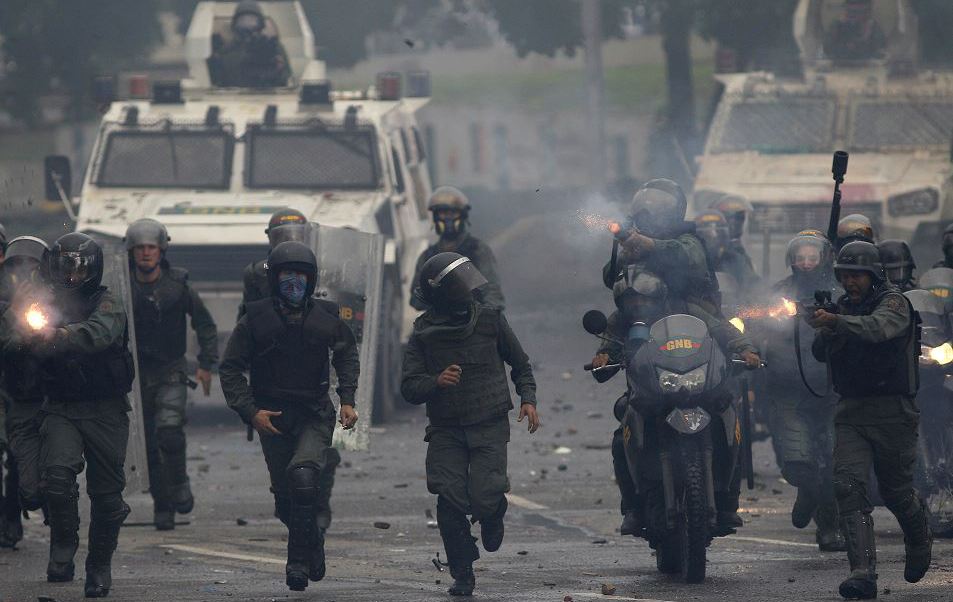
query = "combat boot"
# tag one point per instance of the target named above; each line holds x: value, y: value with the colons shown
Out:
x: 460, y: 546
x: 805, y: 505
x: 727, y: 519
x: 103, y: 537
x: 464, y: 581
x: 828, y: 535
x: 63, y: 517
x: 917, y: 541
x: 301, y: 527
x: 858, y: 529
x: 317, y: 565
x: 182, y: 498
x: 163, y: 516
x: 11, y: 531
x: 491, y: 528
x: 631, y: 524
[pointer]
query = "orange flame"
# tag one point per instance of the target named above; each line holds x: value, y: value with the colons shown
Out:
x: 615, y: 227
x: 35, y: 317
x: 784, y: 309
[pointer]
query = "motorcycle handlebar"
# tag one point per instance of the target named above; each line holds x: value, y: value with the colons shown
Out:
x: 744, y: 364
x: 589, y: 367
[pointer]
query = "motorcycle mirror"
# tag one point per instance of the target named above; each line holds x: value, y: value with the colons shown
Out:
x: 595, y: 322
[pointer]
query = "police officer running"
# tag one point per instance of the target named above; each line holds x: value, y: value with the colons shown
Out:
x: 24, y: 277
x: 450, y: 210
x: 454, y: 364
x: 162, y: 298
x: 89, y: 370
x: 284, y: 341
x: 872, y: 348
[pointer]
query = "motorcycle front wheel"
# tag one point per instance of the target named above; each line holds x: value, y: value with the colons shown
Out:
x: 694, y: 524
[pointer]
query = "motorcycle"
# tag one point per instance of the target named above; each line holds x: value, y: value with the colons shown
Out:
x: 681, y: 430
x: 934, y: 475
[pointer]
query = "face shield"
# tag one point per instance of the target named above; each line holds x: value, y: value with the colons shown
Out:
x: 288, y: 232
x: 458, y: 280
x: 17, y: 271
x: 807, y: 253
x: 70, y: 270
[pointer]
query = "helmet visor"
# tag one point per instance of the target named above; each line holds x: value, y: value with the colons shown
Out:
x: 458, y: 280
x: 806, y: 253
x: 288, y: 232
x: 70, y: 270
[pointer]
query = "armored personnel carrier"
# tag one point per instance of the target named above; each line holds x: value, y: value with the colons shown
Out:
x: 862, y: 91
x: 213, y: 162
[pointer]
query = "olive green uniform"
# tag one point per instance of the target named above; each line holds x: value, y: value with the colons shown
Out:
x: 482, y: 257
x: 161, y: 308
x: 469, y: 427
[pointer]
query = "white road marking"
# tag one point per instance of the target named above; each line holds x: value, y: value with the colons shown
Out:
x: 220, y: 554
x: 602, y: 597
x: 776, y: 542
x: 522, y: 502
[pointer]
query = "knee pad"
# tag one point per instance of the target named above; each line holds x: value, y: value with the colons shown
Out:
x: 303, y: 483
x: 59, y: 483
x: 170, y: 439
x: 800, y: 474
x: 109, y: 507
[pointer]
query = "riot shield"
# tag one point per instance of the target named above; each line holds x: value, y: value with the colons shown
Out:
x: 116, y: 278
x: 350, y: 266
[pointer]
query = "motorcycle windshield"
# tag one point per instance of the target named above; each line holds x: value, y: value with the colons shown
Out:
x: 679, y: 335
x: 932, y: 312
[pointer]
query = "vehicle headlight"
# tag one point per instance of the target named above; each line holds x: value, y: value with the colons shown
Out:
x: 692, y: 382
x: 942, y: 355
x: 738, y: 323
x: 918, y: 202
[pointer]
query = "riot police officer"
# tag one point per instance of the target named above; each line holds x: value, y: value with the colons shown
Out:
x: 947, y: 261
x: 872, y: 348
x: 657, y: 239
x: 898, y: 264
x: 89, y: 370
x: 801, y: 424
x: 736, y: 210
x: 284, y: 224
x: 468, y: 410
x: 24, y: 275
x: 162, y: 299
x: 252, y: 56
x: 713, y: 229
x: 450, y: 210
x: 284, y: 342
x: 852, y: 228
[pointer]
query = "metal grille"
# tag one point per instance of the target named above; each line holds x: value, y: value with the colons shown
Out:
x: 901, y: 124
x: 320, y: 158
x: 208, y: 263
x: 778, y: 126
x: 794, y: 217
x: 167, y: 159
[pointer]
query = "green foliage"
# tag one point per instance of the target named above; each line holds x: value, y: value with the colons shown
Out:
x: 760, y: 33
x: 50, y: 44
x: 548, y: 26
x: 341, y: 28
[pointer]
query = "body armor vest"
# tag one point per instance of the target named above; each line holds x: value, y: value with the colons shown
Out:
x: 106, y: 374
x: 290, y: 362
x: 482, y: 392
x: 161, y: 317
x: 890, y: 367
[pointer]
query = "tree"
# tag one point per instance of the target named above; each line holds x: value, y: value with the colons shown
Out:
x: 760, y: 33
x: 548, y: 26
x: 52, y: 45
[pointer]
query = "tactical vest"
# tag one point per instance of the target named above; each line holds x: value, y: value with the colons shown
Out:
x: 161, y: 317
x: 106, y: 374
x: 890, y: 367
x: 290, y: 362
x: 482, y: 392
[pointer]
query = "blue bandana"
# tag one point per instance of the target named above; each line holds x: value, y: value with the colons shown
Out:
x: 292, y: 288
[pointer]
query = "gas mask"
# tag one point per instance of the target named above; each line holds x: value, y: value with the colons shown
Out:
x: 449, y: 224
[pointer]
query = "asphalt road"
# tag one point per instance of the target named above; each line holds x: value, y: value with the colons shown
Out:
x: 561, y: 541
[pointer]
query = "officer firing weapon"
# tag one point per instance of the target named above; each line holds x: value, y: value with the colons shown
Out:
x: 36, y: 318
x: 822, y: 300
x: 839, y: 169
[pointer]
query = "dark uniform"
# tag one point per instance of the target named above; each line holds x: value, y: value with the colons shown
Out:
x: 287, y: 354
x: 283, y: 225
x: 469, y: 425
x: 482, y: 257
x: 255, y: 284
x: 161, y: 308
x: 873, y: 353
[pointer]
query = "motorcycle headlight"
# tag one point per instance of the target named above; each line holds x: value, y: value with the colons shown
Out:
x: 692, y: 382
x: 942, y: 355
x: 738, y: 323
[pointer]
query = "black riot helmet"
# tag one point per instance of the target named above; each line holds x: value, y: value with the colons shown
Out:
x: 449, y: 199
x: 287, y: 224
x: 76, y: 263
x: 27, y: 258
x: 658, y: 207
x: 735, y: 209
x: 294, y: 256
x: 712, y: 227
x: 898, y: 261
x: 860, y: 256
x: 248, y: 18
x: 854, y: 227
x: 448, y: 280
x: 146, y: 231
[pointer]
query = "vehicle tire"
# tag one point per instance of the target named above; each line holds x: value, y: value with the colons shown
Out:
x: 695, y: 523
x: 389, y: 351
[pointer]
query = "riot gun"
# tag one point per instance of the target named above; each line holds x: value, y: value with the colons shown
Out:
x: 822, y: 300
x: 839, y: 169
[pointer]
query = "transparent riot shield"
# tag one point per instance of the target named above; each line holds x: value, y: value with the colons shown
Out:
x: 350, y: 265
x: 116, y: 278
